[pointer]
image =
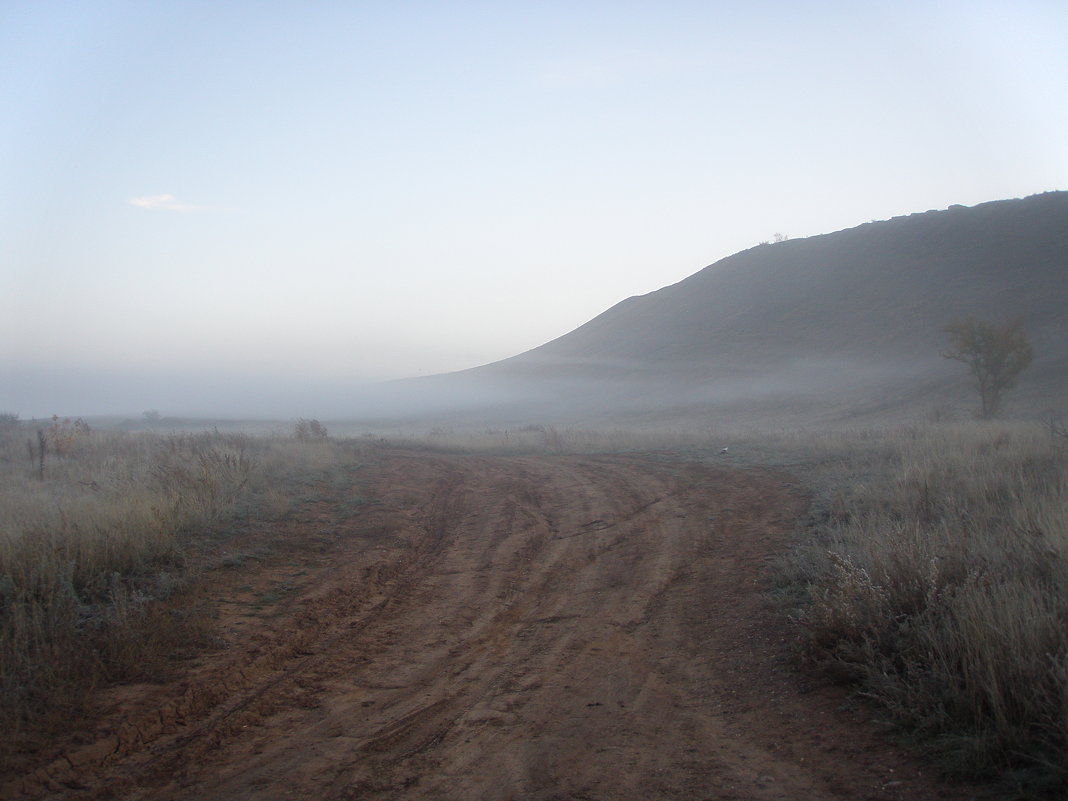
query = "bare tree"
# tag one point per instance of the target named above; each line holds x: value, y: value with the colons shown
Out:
x: 995, y: 354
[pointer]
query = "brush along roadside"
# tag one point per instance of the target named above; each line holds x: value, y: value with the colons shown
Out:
x: 102, y: 542
x: 934, y: 576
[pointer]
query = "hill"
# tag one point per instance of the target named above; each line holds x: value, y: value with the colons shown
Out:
x: 834, y: 325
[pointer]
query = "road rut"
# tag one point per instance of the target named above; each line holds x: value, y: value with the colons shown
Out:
x: 512, y: 627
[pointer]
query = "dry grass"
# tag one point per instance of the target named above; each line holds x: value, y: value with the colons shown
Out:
x: 100, y: 550
x: 936, y: 578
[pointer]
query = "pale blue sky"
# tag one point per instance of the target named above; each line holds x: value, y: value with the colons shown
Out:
x: 201, y: 200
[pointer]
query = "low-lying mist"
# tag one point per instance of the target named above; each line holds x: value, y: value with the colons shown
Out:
x: 806, y: 388
x: 800, y: 391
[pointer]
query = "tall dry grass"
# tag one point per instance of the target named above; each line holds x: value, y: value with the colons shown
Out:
x: 935, y: 576
x: 99, y: 546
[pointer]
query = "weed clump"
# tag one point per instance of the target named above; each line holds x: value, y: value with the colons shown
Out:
x: 309, y: 430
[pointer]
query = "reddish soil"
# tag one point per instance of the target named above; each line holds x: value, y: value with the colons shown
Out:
x: 501, y: 628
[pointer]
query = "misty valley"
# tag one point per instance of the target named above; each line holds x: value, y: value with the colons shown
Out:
x: 793, y: 527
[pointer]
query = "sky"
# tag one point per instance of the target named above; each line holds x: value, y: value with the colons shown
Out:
x: 250, y: 208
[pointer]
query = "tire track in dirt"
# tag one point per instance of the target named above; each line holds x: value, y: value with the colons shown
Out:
x: 533, y: 628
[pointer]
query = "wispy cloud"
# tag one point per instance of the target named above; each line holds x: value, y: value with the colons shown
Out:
x: 167, y: 202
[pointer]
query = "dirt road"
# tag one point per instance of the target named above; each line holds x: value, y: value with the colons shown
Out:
x: 503, y: 628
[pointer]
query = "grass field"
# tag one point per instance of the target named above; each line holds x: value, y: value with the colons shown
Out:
x: 101, y: 542
x: 931, y: 572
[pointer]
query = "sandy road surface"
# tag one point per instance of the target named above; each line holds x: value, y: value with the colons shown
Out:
x: 507, y: 628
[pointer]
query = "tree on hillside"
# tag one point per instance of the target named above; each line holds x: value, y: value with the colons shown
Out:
x: 995, y: 354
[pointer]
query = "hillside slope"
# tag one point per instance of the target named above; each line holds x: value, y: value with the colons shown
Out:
x: 848, y: 315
